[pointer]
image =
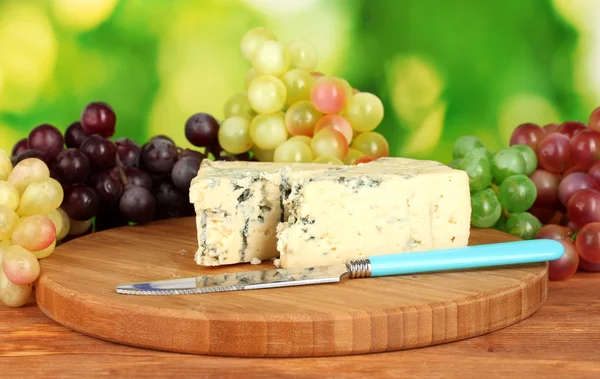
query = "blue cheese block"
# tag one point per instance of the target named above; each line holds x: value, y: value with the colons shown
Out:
x: 394, y: 205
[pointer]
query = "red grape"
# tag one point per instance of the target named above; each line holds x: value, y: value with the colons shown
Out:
x: 129, y: 152
x: 594, y: 122
x: 101, y: 152
x: 19, y: 147
x: 201, y: 129
x: 138, y: 205
x: 588, y: 242
x: 80, y: 202
x: 571, y: 128
x: 554, y: 232
x: 573, y: 183
x: 108, y: 187
x: 184, y: 171
x: 588, y: 266
x: 47, y: 139
x: 572, y: 226
x: 572, y: 170
x: 584, y: 148
x: 72, y: 166
x: 545, y: 215
x: 594, y: 171
x: 584, y: 207
x: 565, y: 266
x: 546, y: 184
x: 551, y: 128
x: 74, y: 135
x: 553, y: 152
x: 136, y: 177
x: 99, y: 118
x: 527, y: 134
x: 159, y: 156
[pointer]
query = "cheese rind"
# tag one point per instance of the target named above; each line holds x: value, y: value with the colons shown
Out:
x: 313, y: 214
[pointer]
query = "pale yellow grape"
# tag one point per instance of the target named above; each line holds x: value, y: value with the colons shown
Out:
x: 20, y: 266
x: 352, y: 156
x: 65, y: 225
x: 301, y: 118
x: 9, y: 220
x: 364, y: 112
x: 77, y: 228
x: 327, y: 159
x: 371, y: 144
x: 34, y: 233
x: 13, y: 295
x: 5, y: 165
x: 254, y: 39
x: 41, y: 198
x: 347, y: 87
x: 263, y: 155
x: 298, y: 84
x: 238, y: 105
x: 57, y: 219
x: 271, y: 58
x: 234, y: 135
x: 250, y: 76
x: 3, y: 246
x: 268, y: 130
x: 28, y: 171
x: 303, y: 54
x: 304, y: 139
x: 293, y: 151
x: 46, y: 252
x: 9, y: 195
x: 329, y: 142
x: 267, y: 94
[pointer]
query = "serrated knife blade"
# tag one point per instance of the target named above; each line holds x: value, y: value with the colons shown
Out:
x: 498, y: 254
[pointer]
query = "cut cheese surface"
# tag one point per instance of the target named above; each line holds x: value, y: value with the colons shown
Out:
x: 315, y: 214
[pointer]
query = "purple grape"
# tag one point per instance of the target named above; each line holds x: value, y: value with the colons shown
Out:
x: 191, y: 153
x: 201, y: 129
x: 30, y: 153
x: 138, y: 205
x: 129, y: 152
x: 74, y: 135
x: 101, y: 152
x: 159, y: 156
x: 47, y: 139
x: 137, y: 178
x: 80, y: 202
x: 169, y: 201
x: 215, y: 149
x: 108, y: 186
x: 163, y: 137
x: 19, y: 147
x: 184, y: 171
x: 99, y: 118
x: 72, y: 166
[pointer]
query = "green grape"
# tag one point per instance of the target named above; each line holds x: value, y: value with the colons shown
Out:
x: 250, y: 76
x: 455, y: 163
x: 500, y: 224
x: 271, y: 58
x: 371, y: 144
x: 234, y: 135
x: 507, y: 162
x: 13, y: 295
x: 40, y: 198
x: 517, y: 193
x: 303, y: 54
x: 464, y: 144
x: 293, y: 151
x: 304, y: 139
x: 238, y: 105
x: 9, y: 195
x: 329, y: 142
x: 266, y: 94
x: 364, y: 111
x: 298, y: 84
x: 8, y: 222
x: 268, y: 130
x: 254, y: 39
x: 5, y: 165
x: 28, y: 171
x: 529, y: 156
x: 486, y: 209
x: 523, y: 225
x: 327, y: 159
x: 479, y: 171
x: 301, y: 118
x: 352, y: 156
x: 481, y: 152
x: 263, y: 155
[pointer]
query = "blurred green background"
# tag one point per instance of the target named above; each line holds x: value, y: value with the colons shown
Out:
x: 443, y: 68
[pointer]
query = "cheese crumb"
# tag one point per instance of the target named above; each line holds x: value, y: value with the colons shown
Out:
x: 255, y: 261
x: 276, y: 262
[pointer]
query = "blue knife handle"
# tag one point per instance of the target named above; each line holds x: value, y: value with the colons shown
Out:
x: 498, y: 254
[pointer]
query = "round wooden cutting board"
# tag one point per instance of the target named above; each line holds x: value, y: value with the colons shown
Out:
x: 77, y: 289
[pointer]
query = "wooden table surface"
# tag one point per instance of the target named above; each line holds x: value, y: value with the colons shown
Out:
x: 561, y: 340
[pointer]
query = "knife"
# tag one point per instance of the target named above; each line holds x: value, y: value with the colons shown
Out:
x: 498, y: 254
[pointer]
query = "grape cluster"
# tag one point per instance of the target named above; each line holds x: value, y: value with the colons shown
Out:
x: 291, y: 113
x: 109, y: 183
x: 31, y: 223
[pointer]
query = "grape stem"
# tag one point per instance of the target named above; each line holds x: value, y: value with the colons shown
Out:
x: 122, y: 175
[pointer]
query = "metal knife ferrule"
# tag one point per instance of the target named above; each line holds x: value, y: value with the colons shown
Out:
x: 359, y: 268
